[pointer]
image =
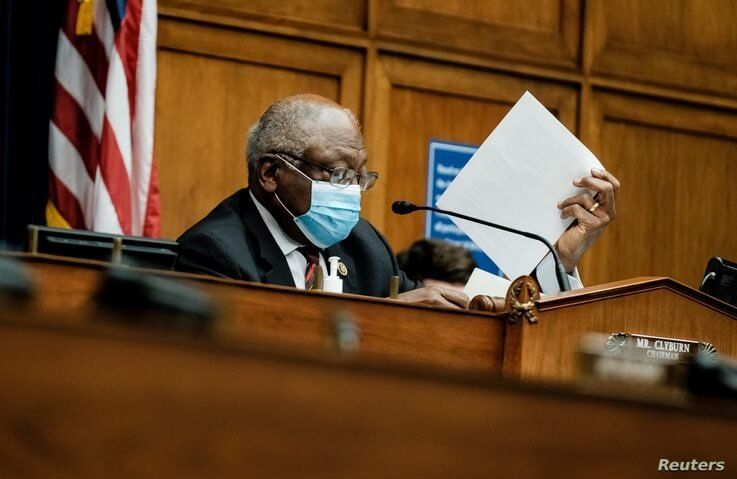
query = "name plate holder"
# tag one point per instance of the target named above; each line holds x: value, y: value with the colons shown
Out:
x: 658, y: 348
x: 651, y: 366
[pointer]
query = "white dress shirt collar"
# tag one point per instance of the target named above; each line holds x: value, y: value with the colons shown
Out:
x: 283, y: 240
x: 295, y: 260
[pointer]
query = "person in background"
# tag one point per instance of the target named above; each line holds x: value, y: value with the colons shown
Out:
x: 437, y: 263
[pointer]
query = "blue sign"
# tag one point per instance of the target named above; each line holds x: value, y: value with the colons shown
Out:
x: 445, y: 161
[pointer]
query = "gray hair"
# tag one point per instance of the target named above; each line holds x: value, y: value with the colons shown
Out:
x: 286, y: 126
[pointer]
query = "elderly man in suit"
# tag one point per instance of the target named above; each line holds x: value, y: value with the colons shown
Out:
x: 307, y: 169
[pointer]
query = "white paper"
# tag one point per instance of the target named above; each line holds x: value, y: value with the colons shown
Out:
x: 483, y: 282
x: 516, y: 178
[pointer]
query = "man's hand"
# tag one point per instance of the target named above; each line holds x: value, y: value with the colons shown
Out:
x: 436, y: 296
x: 591, y: 220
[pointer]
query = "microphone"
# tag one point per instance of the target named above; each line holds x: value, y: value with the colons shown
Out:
x: 405, y: 207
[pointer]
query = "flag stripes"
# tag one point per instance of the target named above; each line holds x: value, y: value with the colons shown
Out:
x: 69, y: 117
x: 68, y: 202
x: 101, y: 128
x: 89, y: 47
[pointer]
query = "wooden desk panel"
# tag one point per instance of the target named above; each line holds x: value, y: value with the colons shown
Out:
x: 649, y: 306
x: 78, y: 402
x: 280, y: 315
x: 466, y: 340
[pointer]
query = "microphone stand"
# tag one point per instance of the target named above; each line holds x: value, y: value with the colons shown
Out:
x: 405, y: 207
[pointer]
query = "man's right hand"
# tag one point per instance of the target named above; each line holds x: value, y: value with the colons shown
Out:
x: 436, y: 296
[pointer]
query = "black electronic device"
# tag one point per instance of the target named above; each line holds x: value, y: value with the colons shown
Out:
x: 133, y: 250
x: 149, y: 300
x: 720, y: 280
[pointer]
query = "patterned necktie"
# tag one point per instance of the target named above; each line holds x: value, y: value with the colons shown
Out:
x: 312, y: 255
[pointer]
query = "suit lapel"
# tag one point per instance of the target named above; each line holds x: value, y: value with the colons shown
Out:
x: 273, y: 265
x: 350, y: 284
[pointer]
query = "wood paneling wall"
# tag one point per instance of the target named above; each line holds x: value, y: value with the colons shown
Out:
x: 213, y: 84
x: 649, y: 85
x: 679, y: 165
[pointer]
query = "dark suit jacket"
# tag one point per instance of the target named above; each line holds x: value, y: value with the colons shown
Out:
x: 233, y: 241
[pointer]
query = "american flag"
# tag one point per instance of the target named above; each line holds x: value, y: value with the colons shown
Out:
x: 101, y: 133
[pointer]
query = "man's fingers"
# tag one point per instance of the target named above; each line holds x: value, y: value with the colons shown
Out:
x: 438, y: 301
x: 577, y: 211
x: 592, y: 214
x: 605, y: 175
x: 604, y: 188
x: 584, y: 199
x: 457, y: 298
x: 436, y: 296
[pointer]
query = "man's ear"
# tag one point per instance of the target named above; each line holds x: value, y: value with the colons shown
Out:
x: 267, y: 168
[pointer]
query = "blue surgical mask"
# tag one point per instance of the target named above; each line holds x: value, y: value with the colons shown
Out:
x: 332, y: 215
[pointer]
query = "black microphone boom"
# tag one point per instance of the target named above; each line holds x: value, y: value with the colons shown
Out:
x: 405, y: 207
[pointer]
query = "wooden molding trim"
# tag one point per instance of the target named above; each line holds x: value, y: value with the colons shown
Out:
x: 246, y: 46
x: 634, y: 286
x: 101, y: 265
x: 354, y: 24
x: 557, y: 46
